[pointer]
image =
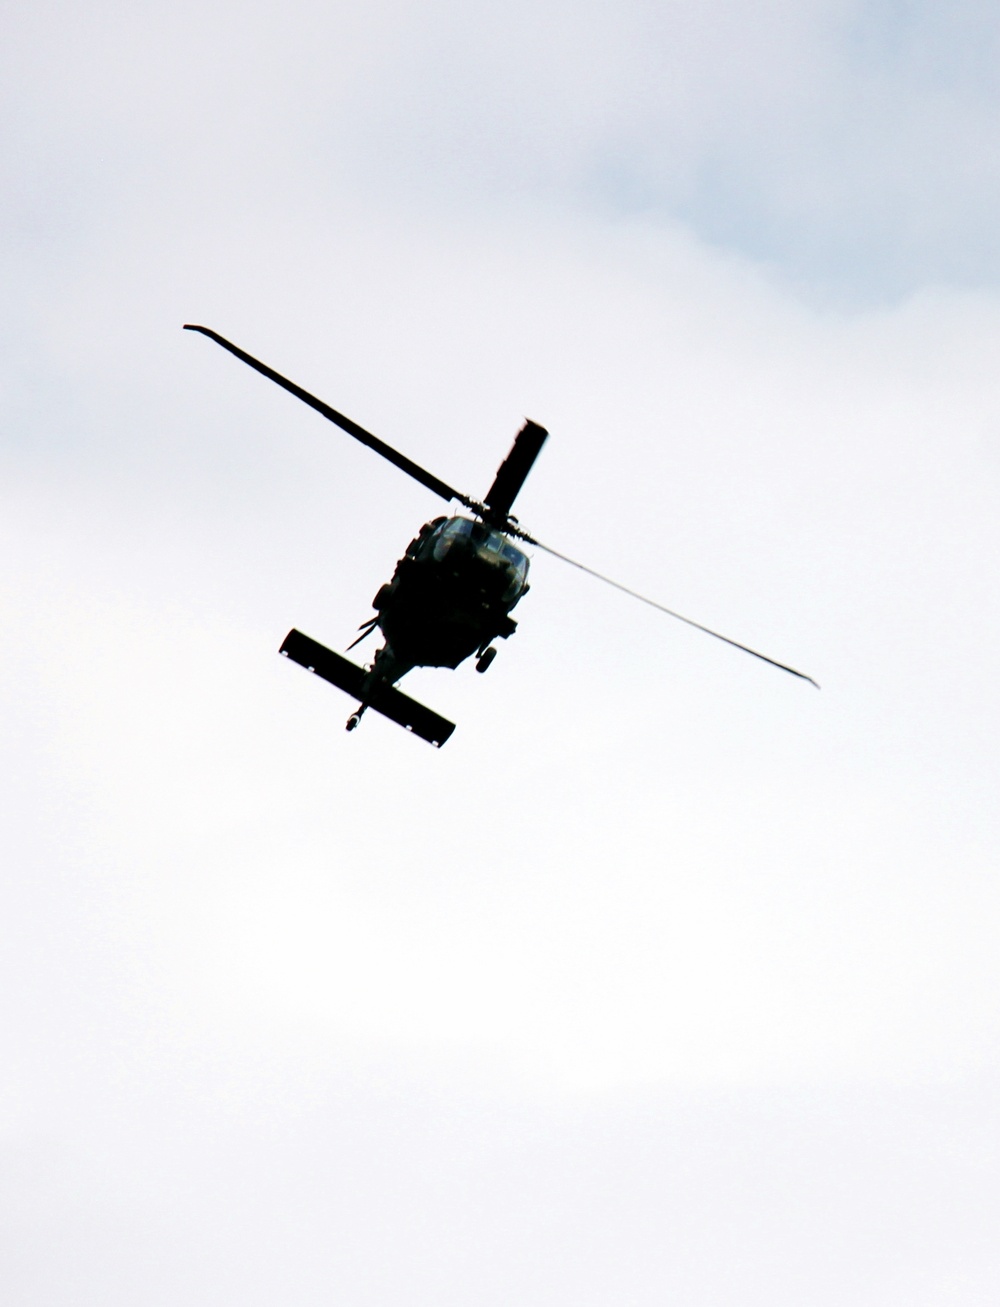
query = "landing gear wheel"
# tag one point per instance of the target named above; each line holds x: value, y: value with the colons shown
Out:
x: 485, y: 658
x: 353, y: 720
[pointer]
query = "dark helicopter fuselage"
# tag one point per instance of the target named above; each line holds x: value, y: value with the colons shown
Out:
x: 451, y: 595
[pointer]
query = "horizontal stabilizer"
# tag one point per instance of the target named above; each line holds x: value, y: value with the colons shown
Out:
x: 347, y: 676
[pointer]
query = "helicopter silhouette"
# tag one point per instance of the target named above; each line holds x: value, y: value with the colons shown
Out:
x: 452, y: 592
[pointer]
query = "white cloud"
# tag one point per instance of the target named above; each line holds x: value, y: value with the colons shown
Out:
x: 644, y: 864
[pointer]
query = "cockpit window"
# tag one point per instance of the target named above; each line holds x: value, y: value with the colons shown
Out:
x: 454, y: 529
x: 491, y: 546
x: 514, y: 563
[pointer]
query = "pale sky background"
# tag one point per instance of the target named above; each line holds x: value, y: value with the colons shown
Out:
x: 669, y: 980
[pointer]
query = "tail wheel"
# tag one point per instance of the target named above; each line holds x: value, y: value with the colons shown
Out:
x: 485, y: 658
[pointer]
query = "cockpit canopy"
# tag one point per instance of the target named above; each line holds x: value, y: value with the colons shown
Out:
x: 490, y: 546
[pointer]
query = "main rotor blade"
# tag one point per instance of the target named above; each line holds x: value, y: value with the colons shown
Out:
x: 669, y: 611
x: 405, y: 464
x: 512, y: 472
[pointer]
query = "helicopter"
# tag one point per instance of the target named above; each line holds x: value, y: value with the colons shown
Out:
x: 452, y: 593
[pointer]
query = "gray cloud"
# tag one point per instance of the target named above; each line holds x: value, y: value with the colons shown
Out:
x: 848, y: 146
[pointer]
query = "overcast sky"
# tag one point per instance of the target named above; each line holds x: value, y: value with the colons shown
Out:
x: 669, y: 980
